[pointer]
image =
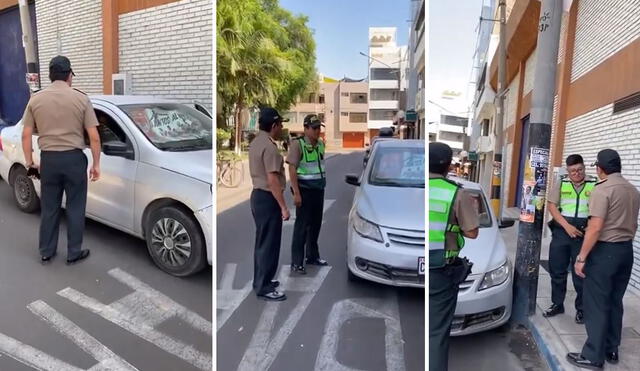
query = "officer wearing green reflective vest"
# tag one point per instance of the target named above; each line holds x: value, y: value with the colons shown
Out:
x: 451, y: 219
x: 568, y: 203
x: 308, y: 180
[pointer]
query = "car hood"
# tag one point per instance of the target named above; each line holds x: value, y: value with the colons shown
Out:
x: 392, y: 207
x: 487, y: 251
x: 194, y: 164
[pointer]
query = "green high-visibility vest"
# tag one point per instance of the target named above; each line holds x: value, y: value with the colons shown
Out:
x: 575, y: 204
x: 442, y: 194
x: 311, y: 170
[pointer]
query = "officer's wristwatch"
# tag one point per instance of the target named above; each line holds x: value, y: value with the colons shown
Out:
x: 580, y: 260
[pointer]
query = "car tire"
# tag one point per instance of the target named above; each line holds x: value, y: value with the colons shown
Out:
x: 24, y: 192
x: 175, y: 241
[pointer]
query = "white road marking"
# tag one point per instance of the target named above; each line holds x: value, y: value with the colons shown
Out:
x: 292, y: 211
x: 385, y: 308
x: 228, y: 299
x: 41, y: 361
x: 106, y: 358
x: 144, y: 309
x: 262, y: 350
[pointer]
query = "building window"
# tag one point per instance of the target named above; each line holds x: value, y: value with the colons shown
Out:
x: 358, y: 97
x: 381, y: 114
x: 384, y: 94
x: 385, y: 74
x: 308, y: 98
x: 485, y: 127
x: 344, y: 94
x: 344, y: 113
x: 357, y: 117
x: 321, y: 99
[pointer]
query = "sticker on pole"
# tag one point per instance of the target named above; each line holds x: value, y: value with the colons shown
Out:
x: 539, y: 157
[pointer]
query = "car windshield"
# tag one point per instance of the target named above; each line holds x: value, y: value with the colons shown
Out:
x: 172, y: 127
x: 398, y: 167
x: 481, y: 206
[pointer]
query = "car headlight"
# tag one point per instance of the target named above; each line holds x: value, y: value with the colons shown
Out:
x: 496, y: 277
x: 365, y: 228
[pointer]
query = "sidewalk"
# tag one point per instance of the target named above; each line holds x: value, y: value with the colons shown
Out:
x: 560, y: 335
x: 227, y: 198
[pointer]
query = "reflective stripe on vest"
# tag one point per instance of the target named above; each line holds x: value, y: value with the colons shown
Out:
x: 572, y: 203
x: 441, y: 198
x: 311, y: 166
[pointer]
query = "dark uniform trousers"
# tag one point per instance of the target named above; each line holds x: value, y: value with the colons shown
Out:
x: 268, y: 219
x: 443, y: 297
x: 64, y: 171
x: 306, y: 229
x: 608, y: 270
x: 563, y: 251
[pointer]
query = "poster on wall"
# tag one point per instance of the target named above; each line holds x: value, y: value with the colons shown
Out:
x: 528, y: 202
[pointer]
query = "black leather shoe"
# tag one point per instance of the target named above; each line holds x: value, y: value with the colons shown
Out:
x: 578, y: 360
x: 47, y: 259
x: 553, y: 310
x: 579, y: 317
x: 612, y: 358
x: 273, y: 296
x: 316, y: 262
x: 299, y: 269
x: 83, y: 255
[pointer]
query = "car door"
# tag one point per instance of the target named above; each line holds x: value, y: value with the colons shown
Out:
x: 111, y: 198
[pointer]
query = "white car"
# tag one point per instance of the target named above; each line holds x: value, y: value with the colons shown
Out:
x: 485, y: 298
x: 156, y: 177
x: 386, y: 238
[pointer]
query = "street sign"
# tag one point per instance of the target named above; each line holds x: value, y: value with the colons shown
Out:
x: 473, y: 156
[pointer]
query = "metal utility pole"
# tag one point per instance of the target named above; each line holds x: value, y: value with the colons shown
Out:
x: 496, y: 179
x: 32, y: 77
x: 537, y: 165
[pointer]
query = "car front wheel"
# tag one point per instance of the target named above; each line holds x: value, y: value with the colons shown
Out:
x: 175, y: 241
x: 24, y: 192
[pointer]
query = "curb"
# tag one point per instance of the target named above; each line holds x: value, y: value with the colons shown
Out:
x: 552, y: 361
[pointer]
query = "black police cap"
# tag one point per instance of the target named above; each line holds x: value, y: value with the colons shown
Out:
x: 60, y: 63
x: 269, y: 115
x: 440, y: 154
x: 312, y: 121
x: 608, y: 160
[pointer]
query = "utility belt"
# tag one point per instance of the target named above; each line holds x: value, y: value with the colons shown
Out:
x: 457, y: 268
x: 579, y: 223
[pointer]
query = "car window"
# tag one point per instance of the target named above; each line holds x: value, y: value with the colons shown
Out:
x: 108, y: 129
x: 479, y: 202
x: 172, y: 127
x: 398, y: 167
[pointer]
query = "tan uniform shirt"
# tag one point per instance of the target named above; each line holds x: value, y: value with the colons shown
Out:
x: 464, y: 215
x: 264, y: 158
x: 60, y: 115
x: 616, y: 201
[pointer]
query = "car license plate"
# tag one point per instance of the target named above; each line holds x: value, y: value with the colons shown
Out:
x: 421, y: 265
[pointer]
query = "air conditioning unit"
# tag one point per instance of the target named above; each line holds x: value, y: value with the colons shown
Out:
x: 121, y: 84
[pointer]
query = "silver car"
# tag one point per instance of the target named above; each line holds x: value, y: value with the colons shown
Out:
x: 386, y: 238
x: 156, y: 177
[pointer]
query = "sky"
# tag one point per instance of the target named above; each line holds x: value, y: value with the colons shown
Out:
x: 452, y: 23
x: 341, y: 30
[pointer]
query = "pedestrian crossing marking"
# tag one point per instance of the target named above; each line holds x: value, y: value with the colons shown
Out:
x: 228, y: 299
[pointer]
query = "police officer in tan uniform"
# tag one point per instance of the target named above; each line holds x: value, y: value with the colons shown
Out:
x: 444, y: 281
x: 268, y: 207
x: 605, y: 261
x: 60, y: 116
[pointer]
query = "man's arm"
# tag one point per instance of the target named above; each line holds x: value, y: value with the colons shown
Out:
x: 94, y: 142
x: 276, y: 191
x: 293, y: 178
x: 572, y: 231
x: 27, y: 147
x: 472, y: 234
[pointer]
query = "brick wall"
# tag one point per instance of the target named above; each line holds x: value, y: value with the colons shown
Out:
x: 167, y: 50
x: 600, y: 129
x: 603, y: 28
x: 73, y: 30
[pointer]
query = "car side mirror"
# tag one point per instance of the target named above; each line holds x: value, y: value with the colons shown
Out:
x: 365, y: 162
x: 118, y: 149
x: 352, y: 179
x: 506, y: 223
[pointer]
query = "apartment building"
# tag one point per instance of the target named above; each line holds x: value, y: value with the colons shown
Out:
x: 387, y: 78
x: 415, y: 126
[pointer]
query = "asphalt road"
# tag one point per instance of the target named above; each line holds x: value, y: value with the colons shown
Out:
x: 327, y: 322
x: 115, y: 310
x: 505, y: 348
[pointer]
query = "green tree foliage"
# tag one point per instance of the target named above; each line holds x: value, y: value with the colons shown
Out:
x: 265, y: 56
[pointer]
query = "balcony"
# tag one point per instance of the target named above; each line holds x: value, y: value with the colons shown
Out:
x: 378, y: 124
x: 383, y: 104
x: 383, y: 84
